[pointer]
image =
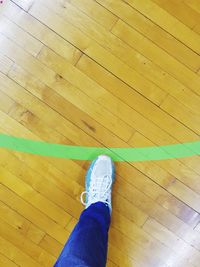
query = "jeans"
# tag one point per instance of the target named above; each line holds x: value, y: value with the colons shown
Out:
x: 87, y: 244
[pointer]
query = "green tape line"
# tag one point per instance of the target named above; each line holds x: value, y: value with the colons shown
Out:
x: 89, y: 153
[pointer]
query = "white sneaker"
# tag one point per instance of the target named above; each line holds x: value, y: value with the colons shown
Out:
x: 99, y: 179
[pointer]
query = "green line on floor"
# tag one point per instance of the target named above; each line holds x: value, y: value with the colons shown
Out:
x: 89, y: 153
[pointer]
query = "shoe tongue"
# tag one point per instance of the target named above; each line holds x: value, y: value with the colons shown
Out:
x: 100, y: 173
x: 101, y: 169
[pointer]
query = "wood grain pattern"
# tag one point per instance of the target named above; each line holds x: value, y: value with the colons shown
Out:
x: 105, y: 73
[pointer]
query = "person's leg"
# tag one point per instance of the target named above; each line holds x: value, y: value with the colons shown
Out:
x: 87, y: 245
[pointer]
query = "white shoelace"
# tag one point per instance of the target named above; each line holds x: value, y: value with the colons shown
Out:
x: 97, y: 191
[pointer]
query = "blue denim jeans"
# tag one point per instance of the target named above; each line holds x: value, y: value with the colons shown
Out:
x: 87, y: 244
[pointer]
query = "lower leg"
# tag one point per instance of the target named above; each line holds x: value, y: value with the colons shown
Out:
x: 87, y: 245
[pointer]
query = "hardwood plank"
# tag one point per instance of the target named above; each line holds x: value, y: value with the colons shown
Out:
x: 168, y: 23
x: 166, y: 236
x: 134, y: 252
x: 193, y: 4
x: 139, y: 216
x: 94, y: 11
x: 169, y: 202
x: 34, y: 198
x: 103, y: 74
x: 32, y: 27
x: 177, y: 169
x: 62, y: 202
x: 127, y: 213
x: 110, y: 264
x: 108, y: 41
x: 97, y: 52
x: 182, y: 211
x: 146, y: 27
x: 26, y: 246
x: 180, y: 10
x: 27, y: 42
x: 120, y: 258
x: 24, y: 5
x: 33, y: 214
x: 6, y: 102
x: 62, y: 106
x: 141, y: 179
x: 129, y: 56
x: 6, y: 262
x: 22, y: 225
x: 100, y: 95
x: 51, y: 245
x: 191, y: 199
x: 168, y: 63
x: 92, y: 108
x: 182, y: 113
x: 16, y: 255
x: 5, y: 64
x: 164, y: 217
x: 134, y: 100
x: 130, y: 212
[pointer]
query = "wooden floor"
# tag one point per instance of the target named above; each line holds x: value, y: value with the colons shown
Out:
x: 106, y: 73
